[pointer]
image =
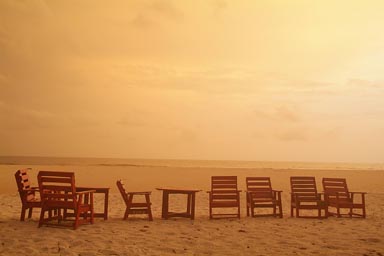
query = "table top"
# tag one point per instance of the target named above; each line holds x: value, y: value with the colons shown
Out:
x: 179, y: 190
x: 91, y: 188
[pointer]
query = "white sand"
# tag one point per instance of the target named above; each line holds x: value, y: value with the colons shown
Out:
x: 247, y: 236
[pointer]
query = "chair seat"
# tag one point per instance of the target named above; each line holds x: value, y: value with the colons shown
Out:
x: 224, y: 204
x: 224, y: 194
x: 135, y: 207
x: 27, y: 193
x: 59, y: 195
x: 304, y: 196
x: 339, y: 197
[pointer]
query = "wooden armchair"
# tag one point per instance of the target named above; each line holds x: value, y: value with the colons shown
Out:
x: 224, y: 194
x: 58, y: 194
x: 338, y: 196
x: 304, y: 196
x: 27, y: 194
x: 135, y: 207
x: 261, y: 195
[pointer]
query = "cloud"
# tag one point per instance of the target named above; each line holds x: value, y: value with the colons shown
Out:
x: 292, y: 135
x: 24, y: 118
x: 219, y: 6
x: 142, y: 21
x: 288, y: 113
x: 156, y: 11
x: 365, y: 83
x: 283, y: 113
x: 166, y: 9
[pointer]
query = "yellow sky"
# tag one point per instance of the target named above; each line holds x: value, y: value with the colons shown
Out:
x: 286, y: 80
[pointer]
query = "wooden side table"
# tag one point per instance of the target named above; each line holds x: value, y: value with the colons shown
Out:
x: 104, y: 191
x: 191, y: 196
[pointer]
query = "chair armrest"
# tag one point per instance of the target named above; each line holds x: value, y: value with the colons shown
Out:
x: 85, y: 192
x: 31, y: 189
x: 139, y: 193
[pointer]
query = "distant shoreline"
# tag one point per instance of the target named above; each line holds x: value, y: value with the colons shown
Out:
x: 178, y: 163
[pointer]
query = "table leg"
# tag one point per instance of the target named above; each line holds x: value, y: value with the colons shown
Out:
x: 106, y: 194
x: 193, y: 206
x: 164, y: 212
x: 189, y: 204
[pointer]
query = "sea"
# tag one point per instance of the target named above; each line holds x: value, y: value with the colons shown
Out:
x: 184, y: 163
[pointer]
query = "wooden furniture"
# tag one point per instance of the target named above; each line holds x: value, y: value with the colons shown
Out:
x: 224, y: 194
x: 304, y: 196
x: 105, y: 192
x: 190, y: 211
x: 58, y: 193
x: 135, y: 207
x: 338, y: 196
x: 27, y: 194
x: 261, y: 195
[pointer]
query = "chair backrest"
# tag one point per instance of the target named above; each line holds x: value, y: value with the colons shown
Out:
x: 261, y: 185
x: 120, y: 186
x: 57, y: 188
x: 304, y: 187
x: 23, y: 185
x: 224, y: 188
x: 333, y: 186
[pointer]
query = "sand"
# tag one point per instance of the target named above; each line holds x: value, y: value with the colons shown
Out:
x: 179, y: 236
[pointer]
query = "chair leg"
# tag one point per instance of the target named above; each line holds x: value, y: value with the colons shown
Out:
x: 247, y: 205
x: 126, y: 213
x: 280, y: 210
x: 30, y: 213
x: 77, y: 217
x: 22, y: 215
x: 291, y: 211
x: 297, y: 212
x: 92, y: 217
x: 210, y: 212
x: 147, y: 199
x: 41, y: 220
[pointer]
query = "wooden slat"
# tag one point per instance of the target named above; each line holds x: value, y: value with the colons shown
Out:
x: 55, y: 180
x: 224, y: 178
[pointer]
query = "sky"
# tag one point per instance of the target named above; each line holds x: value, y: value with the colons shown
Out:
x: 266, y: 80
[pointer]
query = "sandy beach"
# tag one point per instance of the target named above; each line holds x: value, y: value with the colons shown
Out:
x: 178, y: 236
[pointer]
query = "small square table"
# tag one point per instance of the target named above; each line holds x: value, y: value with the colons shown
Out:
x: 104, y: 191
x: 191, y: 195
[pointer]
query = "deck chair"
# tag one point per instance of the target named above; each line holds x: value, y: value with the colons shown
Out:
x: 224, y: 194
x: 58, y: 194
x: 338, y: 196
x: 261, y: 195
x: 28, y: 194
x: 135, y: 207
x: 304, y: 196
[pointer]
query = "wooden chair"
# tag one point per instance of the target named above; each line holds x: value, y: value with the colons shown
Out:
x: 58, y: 194
x: 338, y: 196
x: 135, y: 207
x: 304, y: 196
x: 261, y: 195
x: 224, y: 194
x: 27, y: 194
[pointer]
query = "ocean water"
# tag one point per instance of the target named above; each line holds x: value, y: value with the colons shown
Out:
x: 118, y: 162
